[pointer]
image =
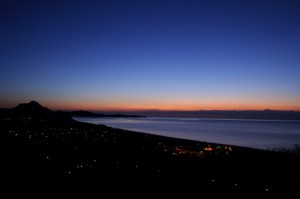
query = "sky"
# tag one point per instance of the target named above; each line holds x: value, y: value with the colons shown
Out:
x: 149, y: 54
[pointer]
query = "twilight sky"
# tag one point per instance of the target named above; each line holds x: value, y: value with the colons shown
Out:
x: 151, y: 54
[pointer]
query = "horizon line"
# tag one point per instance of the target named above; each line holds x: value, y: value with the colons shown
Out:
x: 173, y: 110
x: 110, y: 109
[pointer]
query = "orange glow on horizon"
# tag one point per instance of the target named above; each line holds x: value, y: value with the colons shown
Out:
x: 184, y: 105
x: 169, y: 107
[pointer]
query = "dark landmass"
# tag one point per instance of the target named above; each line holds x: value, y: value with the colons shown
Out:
x: 265, y: 115
x: 45, y: 149
x: 34, y: 109
x: 82, y: 113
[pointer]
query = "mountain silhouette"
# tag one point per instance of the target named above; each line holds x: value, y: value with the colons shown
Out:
x: 32, y: 107
x: 34, y: 110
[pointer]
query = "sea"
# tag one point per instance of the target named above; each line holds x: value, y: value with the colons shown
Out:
x: 259, y: 134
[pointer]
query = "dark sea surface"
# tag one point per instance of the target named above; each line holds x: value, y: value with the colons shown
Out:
x: 260, y: 134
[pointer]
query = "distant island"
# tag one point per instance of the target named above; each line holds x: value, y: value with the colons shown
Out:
x: 82, y: 113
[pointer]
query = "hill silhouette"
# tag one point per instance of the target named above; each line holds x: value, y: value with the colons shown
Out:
x: 32, y: 107
x: 31, y: 110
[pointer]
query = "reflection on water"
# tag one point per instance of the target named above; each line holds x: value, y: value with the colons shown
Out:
x: 262, y: 134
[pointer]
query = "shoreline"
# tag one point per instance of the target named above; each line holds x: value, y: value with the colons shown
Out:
x: 72, y: 151
x: 236, y: 132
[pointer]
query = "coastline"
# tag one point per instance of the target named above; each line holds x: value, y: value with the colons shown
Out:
x: 259, y: 134
x: 73, y: 151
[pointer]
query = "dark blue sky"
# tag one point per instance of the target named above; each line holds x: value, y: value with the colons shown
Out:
x: 164, y: 54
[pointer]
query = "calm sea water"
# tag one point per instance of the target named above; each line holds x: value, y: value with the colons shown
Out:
x: 261, y: 134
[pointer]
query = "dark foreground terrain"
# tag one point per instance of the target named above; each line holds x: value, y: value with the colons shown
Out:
x: 57, y: 152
